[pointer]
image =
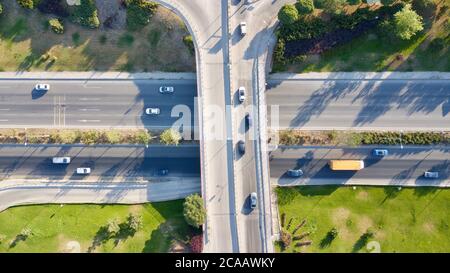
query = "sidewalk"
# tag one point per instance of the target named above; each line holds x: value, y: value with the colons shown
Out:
x: 361, y: 182
x: 432, y: 75
x: 95, y: 75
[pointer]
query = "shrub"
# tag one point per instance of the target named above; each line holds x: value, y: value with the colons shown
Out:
x: 28, y: 4
x: 56, y: 26
x: 86, y: 14
x: 103, y: 39
x: 304, y: 6
x: 194, y: 211
x: 407, y: 23
x: 76, y: 38
x: 1, y: 8
x: 125, y: 40
x: 189, y: 42
x: 437, y: 44
x: 170, y: 137
x: 288, y: 14
x: 354, y: 2
x: 333, y: 233
x: 142, y: 137
x: 139, y: 13
x: 112, y: 137
x: 387, y: 2
x: 197, y: 243
x: 331, y: 6
x: 90, y: 137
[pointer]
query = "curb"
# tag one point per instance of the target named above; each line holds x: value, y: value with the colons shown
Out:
x: 94, y: 75
x: 433, y: 75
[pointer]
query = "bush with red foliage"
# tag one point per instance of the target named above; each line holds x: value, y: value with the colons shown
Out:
x: 197, y: 243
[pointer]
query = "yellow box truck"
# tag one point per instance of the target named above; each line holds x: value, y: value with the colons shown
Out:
x: 346, y: 165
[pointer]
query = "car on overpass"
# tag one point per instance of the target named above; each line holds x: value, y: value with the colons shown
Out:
x: 241, y: 93
x: 241, y: 146
x: 83, y: 170
x: 243, y: 27
x: 253, y: 200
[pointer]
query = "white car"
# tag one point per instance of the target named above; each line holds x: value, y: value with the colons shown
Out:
x: 243, y: 26
x: 166, y: 89
x: 152, y: 111
x: 431, y: 174
x: 241, y: 94
x: 42, y: 87
x: 253, y: 200
x: 61, y: 160
x: 83, y: 170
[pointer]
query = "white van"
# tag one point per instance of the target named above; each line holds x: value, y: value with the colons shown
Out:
x: 61, y: 160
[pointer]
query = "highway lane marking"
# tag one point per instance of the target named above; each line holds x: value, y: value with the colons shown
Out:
x: 89, y: 109
x: 6, y: 109
x: 3, y: 120
x: 89, y: 120
x: 89, y: 99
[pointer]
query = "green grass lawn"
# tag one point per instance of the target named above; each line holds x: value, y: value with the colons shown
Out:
x: 373, y: 52
x: 409, y: 220
x: 28, y: 44
x: 53, y: 226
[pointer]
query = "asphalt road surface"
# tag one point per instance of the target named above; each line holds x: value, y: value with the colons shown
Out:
x: 93, y: 103
x: 401, y: 167
x: 369, y: 104
x: 107, y: 163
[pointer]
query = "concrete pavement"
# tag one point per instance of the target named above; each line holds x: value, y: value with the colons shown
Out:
x: 362, y: 104
x: 402, y: 167
x: 93, y: 103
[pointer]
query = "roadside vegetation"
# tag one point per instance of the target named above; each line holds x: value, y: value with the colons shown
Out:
x: 364, y: 219
x: 153, y: 227
x: 339, y: 35
x: 91, y: 136
x: 132, y: 36
x: 355, y: 138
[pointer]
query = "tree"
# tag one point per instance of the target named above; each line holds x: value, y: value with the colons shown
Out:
x: 1, y: 8
x: 288, y: 14
x: 407, y: 23
x: 387, y: 2
x: 194, y: 211
x: 113, y: 228
x: 134, y: 223
x: 304, y: 6
x: 170, y: 137
x: 354, y: 2
x: 331, y: 6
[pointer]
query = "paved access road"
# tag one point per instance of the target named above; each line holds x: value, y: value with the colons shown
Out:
x: 93, y: 103
x: 107, y: 163
x: 401, y: 167
x: 361, y: 104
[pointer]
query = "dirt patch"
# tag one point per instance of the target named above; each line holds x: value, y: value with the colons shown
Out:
x: 429, y: 227
x: 68, y: 246
x: 340, y: 216
x: 362, y: 195
x: 364, y: 223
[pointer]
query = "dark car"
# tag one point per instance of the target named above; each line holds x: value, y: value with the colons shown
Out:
x: 241, y: 146
x: 248, y: 119
x: 163, y: 172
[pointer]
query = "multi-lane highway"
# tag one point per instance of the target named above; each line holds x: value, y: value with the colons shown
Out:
x: 402, y: 166
x: 387, y: 104
x: 93, y: 103
x: 108, y: 163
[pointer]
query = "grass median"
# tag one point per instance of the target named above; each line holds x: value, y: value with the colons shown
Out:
x: 365, y: 219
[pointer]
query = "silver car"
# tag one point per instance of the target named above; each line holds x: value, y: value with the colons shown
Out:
x: 433, y: 175
x: 253, y: 200
x: 294, y: 172
x: 380, y: 152
x: 166, y: 89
